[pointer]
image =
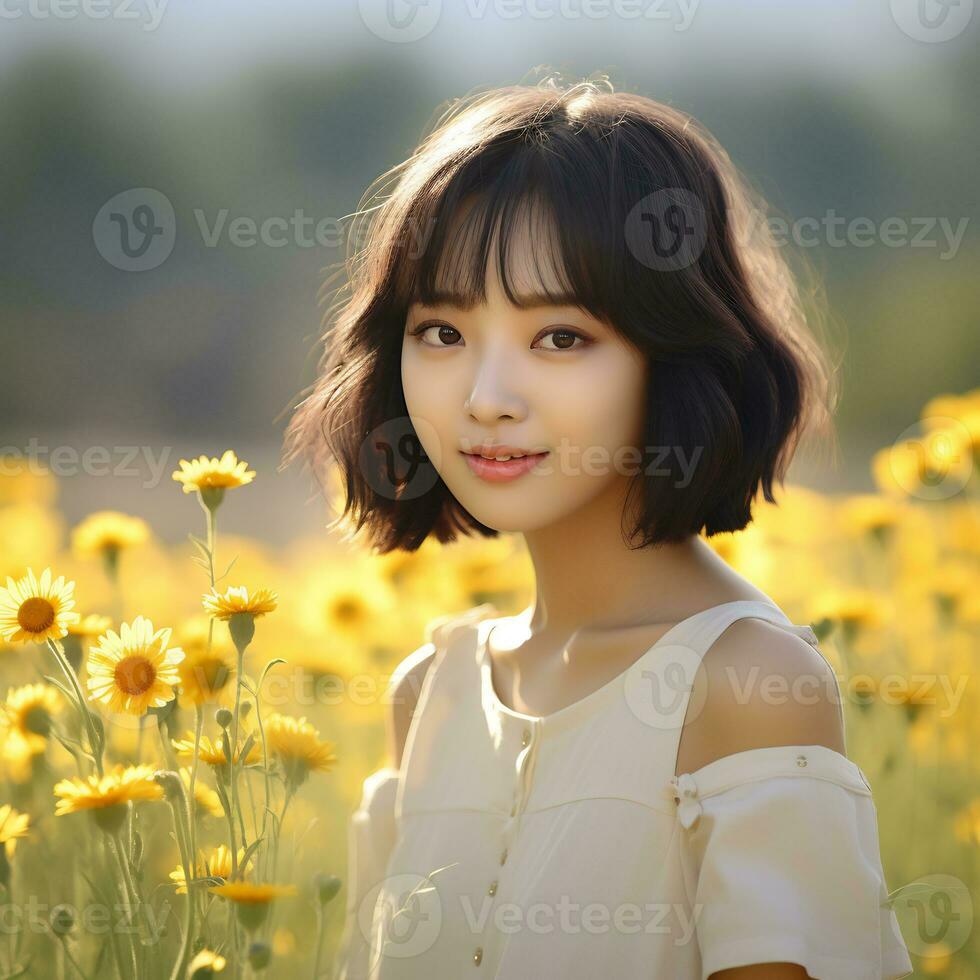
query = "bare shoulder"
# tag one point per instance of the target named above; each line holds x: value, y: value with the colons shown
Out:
x: 403, y: 696
x: 759, y: 685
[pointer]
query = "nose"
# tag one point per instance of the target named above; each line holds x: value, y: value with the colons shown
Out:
x: 491, y: 397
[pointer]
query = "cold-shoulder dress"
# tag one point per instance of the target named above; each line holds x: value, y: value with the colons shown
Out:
x: 519, y: 847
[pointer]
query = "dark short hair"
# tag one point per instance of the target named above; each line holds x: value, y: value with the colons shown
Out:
x: 734, y: 364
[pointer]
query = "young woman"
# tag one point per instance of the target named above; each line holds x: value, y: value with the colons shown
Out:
x: 604, y: 784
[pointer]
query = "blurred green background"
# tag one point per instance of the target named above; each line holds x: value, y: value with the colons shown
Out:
x: 258, y: 111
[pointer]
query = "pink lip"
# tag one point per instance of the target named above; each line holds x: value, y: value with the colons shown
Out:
x: 502, y: 471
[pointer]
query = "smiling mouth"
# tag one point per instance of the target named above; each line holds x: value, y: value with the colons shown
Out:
x: 502, y: 470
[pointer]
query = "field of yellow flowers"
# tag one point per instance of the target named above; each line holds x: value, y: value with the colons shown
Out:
x: 186, y: 728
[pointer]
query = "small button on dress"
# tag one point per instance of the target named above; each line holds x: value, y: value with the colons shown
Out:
x: 565, y: 845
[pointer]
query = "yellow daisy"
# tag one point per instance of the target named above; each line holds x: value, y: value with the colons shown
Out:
x: 217, y: 865
x: 252, y: 901
x: 206, y: 474
x: 25, y: 717
x: 118, y: 786
x: 213, y: 753
x: 134, y: 670
x: 205, y: 964
x: 108, y: 531
x: 297, y: 745
x: 207, y: 676
x: 33, y: 611
x: 13, y: 825
x: 248, y: 893
x: 236, y: 599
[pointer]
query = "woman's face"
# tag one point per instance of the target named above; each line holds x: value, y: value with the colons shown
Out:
x: 549, y: 378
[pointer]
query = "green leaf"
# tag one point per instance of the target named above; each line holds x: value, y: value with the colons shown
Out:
x: 73, y: 746
x: 95, y: 888
x: 268, y: 667
x: 247, y: 747
x: 67, y: 691
x: 227, y: 570
x: 201, y: 544
x: 249, y: 851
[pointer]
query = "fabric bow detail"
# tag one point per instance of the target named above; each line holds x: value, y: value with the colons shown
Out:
x: 684, y: 791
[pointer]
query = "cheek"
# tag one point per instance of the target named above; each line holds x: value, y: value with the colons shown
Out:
x: 608, y: 411
x: 429, y: 409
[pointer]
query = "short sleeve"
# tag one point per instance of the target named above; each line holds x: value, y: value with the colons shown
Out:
x: 371, y: 838
x: 781, y: 845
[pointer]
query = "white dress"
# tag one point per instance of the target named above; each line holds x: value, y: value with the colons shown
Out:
x: 522, y: 848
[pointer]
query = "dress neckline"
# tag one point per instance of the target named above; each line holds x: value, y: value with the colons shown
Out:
x: 593, y: 700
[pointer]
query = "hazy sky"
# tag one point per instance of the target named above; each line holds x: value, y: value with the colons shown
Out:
x: 194, y: 43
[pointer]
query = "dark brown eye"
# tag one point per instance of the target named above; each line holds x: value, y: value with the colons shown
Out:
x: 564, y: 338
x: 445, y: 333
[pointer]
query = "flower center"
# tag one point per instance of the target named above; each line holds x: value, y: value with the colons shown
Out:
x: 135, y: 675
x: 35, y: 615
x: 37, y: 721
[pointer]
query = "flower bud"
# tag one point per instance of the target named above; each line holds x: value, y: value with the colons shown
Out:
x: 62, y: 920
x: 326, y: 886
x: 241, y: 625
x: 259, y: 955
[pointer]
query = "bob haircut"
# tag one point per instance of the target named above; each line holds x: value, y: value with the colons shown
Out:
x: 734, y: 370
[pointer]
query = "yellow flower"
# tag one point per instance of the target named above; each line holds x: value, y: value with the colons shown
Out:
x: 252, y: 900
x: 224, y: 605
x: 213, y: 753
x: 205, y: 798
x: 249, y: 893
x: 12, y: 826
x: 204, y: 474
x: 297, y: 745
x: 134, y: 670
x: 120, y: 785
x: 205, y: 964
x: 25, y: 718
x: 206, y: 676
x: 870, y: 514
x: 33, y: 611
x: 108, y: 531
x: 89, y: 626
x: 218, y: 865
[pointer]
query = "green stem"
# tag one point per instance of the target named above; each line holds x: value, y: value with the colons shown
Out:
x: 232, y: 753
x: 265, y: 773
x: 94, y: 744
x: 115, y: 845
x: 179, y: 811
x: 320, y: 917
x: 198, y: 727
x: 71, y: 959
